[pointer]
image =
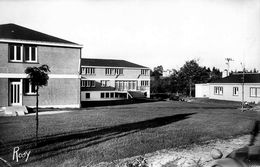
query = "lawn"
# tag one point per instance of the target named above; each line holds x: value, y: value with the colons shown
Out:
x: 89, y: 136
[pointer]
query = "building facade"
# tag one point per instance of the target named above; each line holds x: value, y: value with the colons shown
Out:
x: 232, y: 88
x: 20, y: 48
x: 107, y: 79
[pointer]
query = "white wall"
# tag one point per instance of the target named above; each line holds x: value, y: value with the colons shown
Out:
x: 95, y: 96
x: 202, y: 90
x: 228, y: 92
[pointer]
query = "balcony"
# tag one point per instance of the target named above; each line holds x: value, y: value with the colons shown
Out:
x: 138, y: 88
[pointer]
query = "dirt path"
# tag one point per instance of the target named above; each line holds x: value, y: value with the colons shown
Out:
x: 196, y: 154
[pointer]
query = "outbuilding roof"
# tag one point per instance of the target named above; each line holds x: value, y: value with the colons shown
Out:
x: 238, y: 78
x: 16, y: 32
x: 109, y: 63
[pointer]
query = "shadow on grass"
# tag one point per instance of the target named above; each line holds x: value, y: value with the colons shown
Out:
x: 52, y: 145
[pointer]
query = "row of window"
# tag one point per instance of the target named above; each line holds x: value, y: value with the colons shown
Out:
x: 144, y: 83
x: 254, y: 91
x: 125, y: 85
x: 89, y: 71
x: 109, y: 71
x: 112, y: 95
x: 119, y: 85
x: 87, y: 83
x: 22, y: 53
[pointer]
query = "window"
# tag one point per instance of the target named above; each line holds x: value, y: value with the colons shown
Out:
x: 125, y: 85
x: 29, y: 89
x: 235, y: 91
x: 112, y: 95
x: 107, y: 95
x: 116, y: 95
x: 118, y: 71
x: 87, y: 83
x: 144, y: 72
x: 20, y: 53
x: 218, y: 90
x: 104, y: 83
x: 30, y: 53
x: 114, y: 71
x: 87, y: 95
x: 255, y: 92
x: 102, y: 95
x: 108, y: 71
x: 144, y: 83
x: 88, y: 71
x: 15, y: 53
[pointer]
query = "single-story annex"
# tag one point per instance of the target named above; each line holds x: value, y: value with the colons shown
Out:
x: 232, y: 88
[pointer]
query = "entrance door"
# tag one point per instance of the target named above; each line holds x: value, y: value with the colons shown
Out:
x: 15, y: 93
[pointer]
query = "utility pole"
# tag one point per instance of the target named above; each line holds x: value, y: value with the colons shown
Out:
x: 243, y: 84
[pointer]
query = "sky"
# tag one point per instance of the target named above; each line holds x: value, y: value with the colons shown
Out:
x: 149, y: 32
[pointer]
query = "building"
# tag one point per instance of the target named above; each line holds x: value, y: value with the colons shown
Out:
x: 20, y: 48
x: 232, y: 88
x: 167, y: 73
x: 110, y: 80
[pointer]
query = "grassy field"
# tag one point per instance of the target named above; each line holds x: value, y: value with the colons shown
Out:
x: 93, y: 135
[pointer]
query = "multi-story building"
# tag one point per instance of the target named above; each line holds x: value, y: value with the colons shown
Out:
x: 20, y: 48
x: 107, y: 79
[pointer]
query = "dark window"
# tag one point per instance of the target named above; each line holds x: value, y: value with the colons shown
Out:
x: 18, y: 52
x: 116, y: 95
x: 28, y: 87
x: 33, y: 54
x: 26, y: 53
x: 87, y: 95
x: 11, y: 51
x: 107, y: 95
x: 111, y: 95
x: 102, y: 95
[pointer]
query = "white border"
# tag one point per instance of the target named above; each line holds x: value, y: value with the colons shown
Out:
x: 138, y: 68
x: 59, y: 106
x: 116, y: 79
x: 40, y: 43
x: 17, y: 75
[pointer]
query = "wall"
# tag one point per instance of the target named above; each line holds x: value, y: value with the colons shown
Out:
x: 3, y: 92
x: 64, y: 86
x: 128, y: 73
x: 60, y: 60
x: 228, y: 92
x: 61, y: 92
x: 95, y: 96
x: 201, y: 90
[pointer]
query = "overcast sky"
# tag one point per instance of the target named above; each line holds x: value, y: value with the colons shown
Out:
x: 149, y: 32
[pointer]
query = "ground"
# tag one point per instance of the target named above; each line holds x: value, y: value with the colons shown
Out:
x: 102, y: 134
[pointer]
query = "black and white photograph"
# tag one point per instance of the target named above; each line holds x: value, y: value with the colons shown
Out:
x: 130, y: 83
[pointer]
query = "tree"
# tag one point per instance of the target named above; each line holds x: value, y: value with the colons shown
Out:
x: 190, y: 73
x: 38, y: 76
x: 157, y: 72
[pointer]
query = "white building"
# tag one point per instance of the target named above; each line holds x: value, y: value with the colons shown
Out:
x: 232, y: 88
x: 111, y: 80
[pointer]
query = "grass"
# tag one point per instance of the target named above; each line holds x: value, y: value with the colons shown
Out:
x: 89, y: 136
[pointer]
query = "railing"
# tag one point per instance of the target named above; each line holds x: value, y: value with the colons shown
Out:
x: 138, y: 88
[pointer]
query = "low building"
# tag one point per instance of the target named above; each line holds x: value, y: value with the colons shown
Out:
x: 108, y: 79
x: 233, y: 88
x: 20, y: 48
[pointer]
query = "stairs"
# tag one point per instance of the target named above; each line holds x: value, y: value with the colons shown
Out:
x: 136, y: 95
x: 13, y: 111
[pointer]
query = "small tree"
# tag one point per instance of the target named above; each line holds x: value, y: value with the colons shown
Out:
x: 38, y: 76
